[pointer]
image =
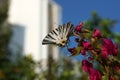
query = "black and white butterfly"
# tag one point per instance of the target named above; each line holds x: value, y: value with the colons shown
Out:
x: 60, y: 35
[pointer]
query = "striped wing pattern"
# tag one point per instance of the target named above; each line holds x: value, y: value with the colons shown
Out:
x: 60, y: 35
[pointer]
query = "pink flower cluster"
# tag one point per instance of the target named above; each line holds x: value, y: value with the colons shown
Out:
x: 78, y: 28
x: 100, y: 47
x: 88, y: 67
x: 97, y: 33
x: 108, y: 48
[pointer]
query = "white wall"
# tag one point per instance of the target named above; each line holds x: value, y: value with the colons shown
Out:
x: 33, y: 15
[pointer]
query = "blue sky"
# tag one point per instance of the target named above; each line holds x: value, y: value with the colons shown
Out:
x: 80, y: 10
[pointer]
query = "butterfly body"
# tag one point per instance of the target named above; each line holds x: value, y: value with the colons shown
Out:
x: 60, y: 35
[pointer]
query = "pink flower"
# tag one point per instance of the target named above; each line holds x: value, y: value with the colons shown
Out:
x: 86, y: 66
x: 105, y: 52
x: 117, y: 68
x: 83, y: 52
x: 87, y: 45
x: 78, y: 28
x: 95, y: 74
x: 90, y: 58
x: 108, y: 48
x: 71, y: 50
x: 97, y: 33
x: 108, y: 44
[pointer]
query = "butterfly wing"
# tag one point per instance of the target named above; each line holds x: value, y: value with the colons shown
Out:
x: 58, y: 35
x: 51, y: 38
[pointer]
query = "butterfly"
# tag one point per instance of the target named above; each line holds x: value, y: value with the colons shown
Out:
x: 60, y: 35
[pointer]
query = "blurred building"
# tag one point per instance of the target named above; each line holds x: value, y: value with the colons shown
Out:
x: 32, y: 20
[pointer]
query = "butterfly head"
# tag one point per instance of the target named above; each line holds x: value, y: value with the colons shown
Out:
x: 63, y: 43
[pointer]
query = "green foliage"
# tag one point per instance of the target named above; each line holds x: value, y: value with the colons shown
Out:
x: 65, y: 69
x: 104, y: 24
x: 23, y: 67
x: 3, y: 10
